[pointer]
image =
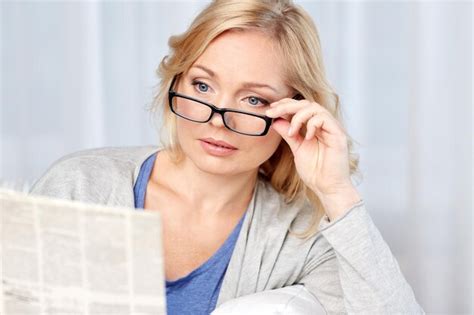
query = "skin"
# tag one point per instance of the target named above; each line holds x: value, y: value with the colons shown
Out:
x: 213, y: 187
x: 216, y: 186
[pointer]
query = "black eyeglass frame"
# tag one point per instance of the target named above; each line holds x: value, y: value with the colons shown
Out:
x: 172, y: 93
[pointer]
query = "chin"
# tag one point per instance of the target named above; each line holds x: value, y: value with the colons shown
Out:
x: 217, y: 166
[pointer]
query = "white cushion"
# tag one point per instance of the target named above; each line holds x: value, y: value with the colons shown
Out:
x: 291, y: 300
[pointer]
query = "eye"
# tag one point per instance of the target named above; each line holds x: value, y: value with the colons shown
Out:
x: 253, y: 100
x: 201, y: 86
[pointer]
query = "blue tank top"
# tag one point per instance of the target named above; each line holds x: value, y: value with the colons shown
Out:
x: 197, y: 292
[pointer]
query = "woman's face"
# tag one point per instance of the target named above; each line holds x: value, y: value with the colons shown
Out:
x: 220, y: 76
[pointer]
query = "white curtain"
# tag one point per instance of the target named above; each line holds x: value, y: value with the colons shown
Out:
x: 76, y: 75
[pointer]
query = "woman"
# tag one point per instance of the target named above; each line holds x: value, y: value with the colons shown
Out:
x: 254, y: 182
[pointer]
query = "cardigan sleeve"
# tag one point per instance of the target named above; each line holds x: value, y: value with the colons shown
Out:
x: 360, y: 275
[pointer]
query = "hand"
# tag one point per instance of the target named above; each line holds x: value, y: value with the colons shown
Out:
x: 321, y: 155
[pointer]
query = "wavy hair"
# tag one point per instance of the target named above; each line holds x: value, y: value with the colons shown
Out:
x: 297, y: 41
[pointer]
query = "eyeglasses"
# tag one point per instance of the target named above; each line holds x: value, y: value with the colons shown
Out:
x: 190, y: 108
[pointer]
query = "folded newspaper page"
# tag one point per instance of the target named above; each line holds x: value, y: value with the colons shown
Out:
x: 66, y: 257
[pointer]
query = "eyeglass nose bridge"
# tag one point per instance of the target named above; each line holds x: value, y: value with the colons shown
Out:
x: 218, y: 110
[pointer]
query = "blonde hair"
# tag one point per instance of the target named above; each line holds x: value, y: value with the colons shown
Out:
x: 297, y: 40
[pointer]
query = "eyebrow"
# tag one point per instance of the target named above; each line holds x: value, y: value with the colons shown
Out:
x: 245, y: 84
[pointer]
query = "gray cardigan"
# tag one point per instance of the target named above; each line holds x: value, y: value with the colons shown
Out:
x: 347, y: 265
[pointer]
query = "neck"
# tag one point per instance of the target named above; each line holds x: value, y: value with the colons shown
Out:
x: 208, y: 194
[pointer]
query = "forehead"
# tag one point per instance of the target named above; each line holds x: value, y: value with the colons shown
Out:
x: 238, y: 56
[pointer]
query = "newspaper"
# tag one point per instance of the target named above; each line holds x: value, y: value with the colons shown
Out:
x: 66, y: 257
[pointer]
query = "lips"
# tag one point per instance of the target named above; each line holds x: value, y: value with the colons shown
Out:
x: 219, y: 143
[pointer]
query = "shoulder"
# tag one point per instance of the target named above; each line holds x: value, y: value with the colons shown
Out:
x: 115, y: 155
x: 281, y: 221
x: 94, y: 174
x: 276, y: 209
x: 273, y: 228
x: 103, y: 160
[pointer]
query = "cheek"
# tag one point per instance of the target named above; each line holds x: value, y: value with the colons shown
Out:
x: 264, y: 147
x: 184, y: 129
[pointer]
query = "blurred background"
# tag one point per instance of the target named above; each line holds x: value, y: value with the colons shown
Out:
x: 78, y: 75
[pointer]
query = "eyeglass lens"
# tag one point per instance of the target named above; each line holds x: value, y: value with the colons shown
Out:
x: 199, y: 112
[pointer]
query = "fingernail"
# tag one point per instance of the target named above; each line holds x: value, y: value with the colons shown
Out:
x: 290, y: 131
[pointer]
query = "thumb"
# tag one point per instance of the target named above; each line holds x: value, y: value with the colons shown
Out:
x: 282, y: 126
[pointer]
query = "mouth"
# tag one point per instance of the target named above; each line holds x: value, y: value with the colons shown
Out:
x: 219, y: 143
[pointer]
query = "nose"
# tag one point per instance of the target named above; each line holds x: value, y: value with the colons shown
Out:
x: 217, y: 120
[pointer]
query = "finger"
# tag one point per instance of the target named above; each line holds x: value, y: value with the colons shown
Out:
x: 281, y: 126
x: 291, y: 107
x: 314, y: 123
x: 285, y: 117
x: 283, y: 100
x: 297, y: 104
x: 300, y: 118
x: 332, y: 125
x: 283, y: 109
x: 319, y: 124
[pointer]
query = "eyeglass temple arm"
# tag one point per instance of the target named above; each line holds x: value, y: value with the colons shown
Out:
x: 298, y: 97
x: 172, y: 83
